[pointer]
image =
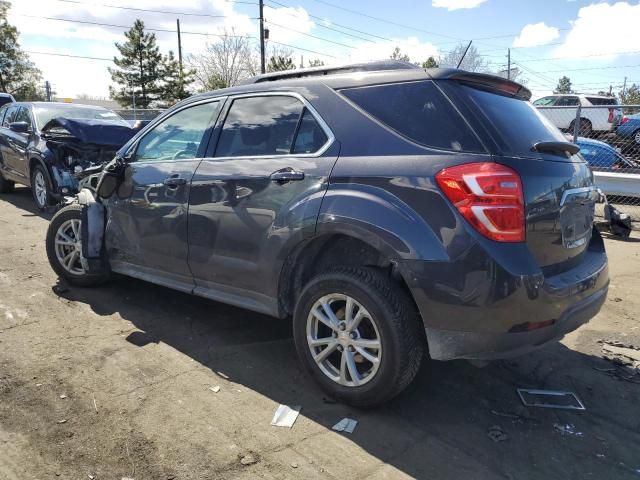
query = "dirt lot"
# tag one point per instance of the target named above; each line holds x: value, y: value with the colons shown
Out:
x: 115, y: 382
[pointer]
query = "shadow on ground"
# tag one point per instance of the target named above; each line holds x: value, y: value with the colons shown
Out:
x: 22, y: 198
x: 436, y: 428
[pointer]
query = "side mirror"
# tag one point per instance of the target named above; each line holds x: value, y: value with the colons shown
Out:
x: 19, y: 127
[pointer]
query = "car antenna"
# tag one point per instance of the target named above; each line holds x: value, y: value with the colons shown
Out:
x: 464, y: 54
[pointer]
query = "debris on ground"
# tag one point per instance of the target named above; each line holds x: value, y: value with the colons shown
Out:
x: 62, y: 421
x: 496, y: 434
x: 285, y: 416
x: 550, y: 399
x: 293, y: 465
x: 215, y: 389
x: 248, y: 459
x: 567, y: 429
x: 345, y: 425
x: 62, y: 397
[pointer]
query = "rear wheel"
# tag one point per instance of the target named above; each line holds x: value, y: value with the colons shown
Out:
x: 585, y: 128
x: 40, y: 187
x: 64, y: 248
x: 636, y: 137
x: 358, y: 334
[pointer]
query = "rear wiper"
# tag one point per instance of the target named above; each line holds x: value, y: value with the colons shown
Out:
x: 556, y: 147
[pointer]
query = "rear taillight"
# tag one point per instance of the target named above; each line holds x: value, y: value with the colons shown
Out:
x: 489, y: 196
x: 624, y: 120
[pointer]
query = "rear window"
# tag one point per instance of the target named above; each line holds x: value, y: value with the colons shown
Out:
x: 602, y: 101
x: 515, y: 124
x: 418, y: 111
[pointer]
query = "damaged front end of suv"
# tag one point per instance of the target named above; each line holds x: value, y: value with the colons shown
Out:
x: 77, y: 150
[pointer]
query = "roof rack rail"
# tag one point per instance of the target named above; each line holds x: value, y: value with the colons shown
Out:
x: 380, y: 65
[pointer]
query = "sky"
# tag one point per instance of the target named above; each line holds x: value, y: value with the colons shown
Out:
x: 596, y: 44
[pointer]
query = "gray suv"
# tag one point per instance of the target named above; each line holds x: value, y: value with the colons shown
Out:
x: 393, y: 213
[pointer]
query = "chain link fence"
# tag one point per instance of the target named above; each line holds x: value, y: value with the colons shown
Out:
x: 609, y: 139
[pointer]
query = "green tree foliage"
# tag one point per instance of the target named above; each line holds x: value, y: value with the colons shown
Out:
x: 430, y: 62
x: 564, y: 85
x: 278, y: 63
x: 18, y: 75
x: 143, y: 70
x: 631, y: 95
x: 175, y: 81
x: 398, y: 55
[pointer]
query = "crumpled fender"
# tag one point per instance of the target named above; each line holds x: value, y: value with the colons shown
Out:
x: 93, y: 222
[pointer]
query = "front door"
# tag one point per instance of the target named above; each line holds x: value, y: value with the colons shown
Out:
x: 146, y: 233
x: 14, y: 144
x: 260, y: 192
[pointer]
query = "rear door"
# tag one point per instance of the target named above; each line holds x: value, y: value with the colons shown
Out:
x: 147, y: 229
x: 19, y: 142
x: 260, y: 191
x: 603, y: 119
x: 9, y: 142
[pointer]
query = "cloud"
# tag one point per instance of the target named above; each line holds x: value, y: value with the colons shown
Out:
x: 288, y: 23
x: 601, y: 29
x: 536, y: 34
x: 456, y: 4
x: 416, y: 50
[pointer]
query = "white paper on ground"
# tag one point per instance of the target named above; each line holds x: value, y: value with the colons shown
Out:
x: 345, y: 425
x: 285, y: 416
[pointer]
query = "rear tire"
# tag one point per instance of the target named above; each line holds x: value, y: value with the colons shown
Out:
x: 63, y: 244
x: 636, y: 137
x: 352, y: 369
x: 40, y: 187
x: 585, y: 128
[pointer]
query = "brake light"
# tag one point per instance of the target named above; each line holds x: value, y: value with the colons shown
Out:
x: 624, y: 120
x: 610, y: 120
x: 489, y: 196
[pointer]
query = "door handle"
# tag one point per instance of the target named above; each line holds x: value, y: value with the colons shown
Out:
x: 174, y: 181
x: 287, y: 175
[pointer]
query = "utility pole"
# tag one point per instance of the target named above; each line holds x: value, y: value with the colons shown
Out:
x: 179, y: 54
x: 610, y: 89
x: 624, y: 87
x: 262, y: 66
x: 508, y: 64
x: 47, y: 90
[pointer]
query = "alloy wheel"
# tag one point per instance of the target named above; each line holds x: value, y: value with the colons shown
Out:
x: 40, y: 186
x: 68, y: 247
x: 344, y: 340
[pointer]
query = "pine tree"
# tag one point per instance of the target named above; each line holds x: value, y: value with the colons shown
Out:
x: 175, y: 83
x: 564, y: 85
x: 139, y: 70
x: 18, y: 75
x: 279, y: 63
x: 430, y: 63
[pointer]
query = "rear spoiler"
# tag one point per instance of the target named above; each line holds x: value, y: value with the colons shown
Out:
x: 491, y: 82
x: 556, y: 147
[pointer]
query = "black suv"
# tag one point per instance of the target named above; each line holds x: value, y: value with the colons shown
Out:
x: 392, y: 212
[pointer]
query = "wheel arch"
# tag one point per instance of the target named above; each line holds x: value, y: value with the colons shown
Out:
x: 33, y: 161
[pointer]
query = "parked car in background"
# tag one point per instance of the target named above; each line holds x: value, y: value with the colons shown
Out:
x: 380, y: 205
x: 591, y: 119
x: 6, y: 98
x: 43, y: 144
x: 615, y: 175
x: 630, y: 128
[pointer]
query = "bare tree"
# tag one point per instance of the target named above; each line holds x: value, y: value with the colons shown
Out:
x: 225, y: 62
x: 473, y: 61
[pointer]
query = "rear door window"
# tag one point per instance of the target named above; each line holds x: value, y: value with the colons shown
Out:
x: 259, y: 126
x: 515, y: 124
x: 601, y: 101
x: 419, y: 112
x: 10, y: 116
x: 567, y: 102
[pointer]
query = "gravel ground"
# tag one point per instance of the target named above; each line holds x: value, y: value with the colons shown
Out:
x: 116, y: 382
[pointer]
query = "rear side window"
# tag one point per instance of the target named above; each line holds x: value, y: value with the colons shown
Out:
x: 258, y: 126
x: 515, y: 124
x: 601, y: 101
x: 418, y: 111
x: 310, y: 137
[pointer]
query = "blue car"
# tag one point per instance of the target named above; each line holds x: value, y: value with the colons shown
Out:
x: 603, y: 157
x: 630, y: 128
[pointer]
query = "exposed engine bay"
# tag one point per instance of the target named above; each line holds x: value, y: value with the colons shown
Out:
x: 80, y: 148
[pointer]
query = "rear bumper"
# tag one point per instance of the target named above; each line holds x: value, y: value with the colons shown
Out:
x: 450, y: 344
x: 483, y: 306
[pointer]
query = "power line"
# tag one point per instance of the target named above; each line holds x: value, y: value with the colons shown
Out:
x: 68, y: 55
x: 166, y: 12
x: 310, y: 35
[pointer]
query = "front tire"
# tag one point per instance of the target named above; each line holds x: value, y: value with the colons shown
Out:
x: 359, y: 335
x: 64, y: 248
x: 40, y: 187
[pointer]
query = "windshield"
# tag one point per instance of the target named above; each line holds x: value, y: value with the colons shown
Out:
x: 46, y: 113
